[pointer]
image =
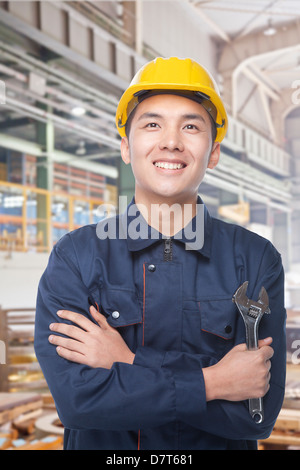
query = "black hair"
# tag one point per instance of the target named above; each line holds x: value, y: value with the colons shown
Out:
x: 129, y: 121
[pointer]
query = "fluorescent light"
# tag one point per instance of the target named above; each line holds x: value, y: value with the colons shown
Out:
x: 81, y: 150
x: 270, y: 31
x: 78, y: 111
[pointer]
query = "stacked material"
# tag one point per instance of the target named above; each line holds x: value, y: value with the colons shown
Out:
x: 286, y: 433
x: 28, y: 422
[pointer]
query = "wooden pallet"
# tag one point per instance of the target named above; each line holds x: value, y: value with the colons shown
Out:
x: 47, y: 443
x: 13, y: 405
x: 286, y: 432
x: 6, y: 439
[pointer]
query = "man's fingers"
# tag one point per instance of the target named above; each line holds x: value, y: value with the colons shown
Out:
x: 261, y: 343
x: 269, y: 353
x: 67, y: 330
x: 265, y: 342
x: 67, y: 343
x: 72, y: 356
x: 264, y: 346
x: 77, y: 318
x: 100, y: 319
x: 76, y: 331
x: 83, y: 321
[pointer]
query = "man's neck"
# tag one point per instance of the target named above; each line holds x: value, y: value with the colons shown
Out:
x: 167, y: 216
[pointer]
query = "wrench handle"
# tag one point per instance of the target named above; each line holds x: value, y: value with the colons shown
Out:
x: 256, y: 408
x: 251, y: 333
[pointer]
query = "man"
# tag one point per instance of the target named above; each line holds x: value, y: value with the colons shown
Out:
x: 136, y: 331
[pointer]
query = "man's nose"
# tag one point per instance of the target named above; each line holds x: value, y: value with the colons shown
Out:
x: 171, y: 140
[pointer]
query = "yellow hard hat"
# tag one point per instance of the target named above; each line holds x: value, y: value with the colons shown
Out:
x: 173, y: 75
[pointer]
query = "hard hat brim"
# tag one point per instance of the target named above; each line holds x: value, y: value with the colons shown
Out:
x: 129, y: 95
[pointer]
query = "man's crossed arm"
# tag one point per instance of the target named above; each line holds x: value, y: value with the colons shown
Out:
x: 239, y: 375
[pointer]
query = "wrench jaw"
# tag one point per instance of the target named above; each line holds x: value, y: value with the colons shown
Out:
x: 251, y: 313
x: 240, y: 296
x: 251, y: 307
x: 263, y: 299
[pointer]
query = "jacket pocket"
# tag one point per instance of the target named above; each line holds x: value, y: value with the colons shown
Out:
x: 121, y: 306
x: 123, y: 311
x: 218, y: 325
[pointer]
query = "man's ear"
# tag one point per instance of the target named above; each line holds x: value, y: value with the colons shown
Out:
x: 125, y: 154
x: 214, y: 156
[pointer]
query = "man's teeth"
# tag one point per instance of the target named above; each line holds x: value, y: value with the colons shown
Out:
x: 169, y: 166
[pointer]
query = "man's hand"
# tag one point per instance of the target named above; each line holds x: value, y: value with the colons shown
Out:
x: 240, y: 374
x: 87, y: 343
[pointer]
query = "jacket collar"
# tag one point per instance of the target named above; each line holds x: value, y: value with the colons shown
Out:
x: 139, y: 235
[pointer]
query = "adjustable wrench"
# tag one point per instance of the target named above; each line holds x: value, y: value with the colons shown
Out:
x: 252, y: 312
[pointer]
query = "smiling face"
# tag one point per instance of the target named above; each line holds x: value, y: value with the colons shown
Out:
x: 169, y: 147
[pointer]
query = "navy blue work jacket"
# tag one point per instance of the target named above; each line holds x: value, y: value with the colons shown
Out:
x: 173, y: 306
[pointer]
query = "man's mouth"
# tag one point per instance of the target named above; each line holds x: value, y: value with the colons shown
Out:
x: 169, y: 166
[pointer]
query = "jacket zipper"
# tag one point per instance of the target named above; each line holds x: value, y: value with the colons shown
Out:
x: 168, y: 253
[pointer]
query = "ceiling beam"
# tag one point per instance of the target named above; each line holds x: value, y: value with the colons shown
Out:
x: 23, y: 146
x: 264, y: 77
x: 214, y: 26
x: 266, y: 107
x: 252, y: 22
x: 45, y: 40
x: 19, y: 122
x: 43, y: 115
x: 255, y: 45
x: 243, y: 67
x: 253, y: 77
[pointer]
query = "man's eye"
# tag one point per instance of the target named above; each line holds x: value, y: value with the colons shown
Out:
x: 152, y: 124
x: 191, y: 126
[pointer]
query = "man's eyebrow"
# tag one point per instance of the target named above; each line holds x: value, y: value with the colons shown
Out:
x: 149, y: 115
x: 189, y: 116
x: 194, y: 116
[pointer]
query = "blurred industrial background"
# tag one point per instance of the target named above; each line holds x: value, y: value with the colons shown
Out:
x: 63, y: 68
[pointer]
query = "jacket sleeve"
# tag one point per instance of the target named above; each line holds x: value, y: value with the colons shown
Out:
x: 236, y: 416
x: 232, y: 419
x: 126, y: 397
